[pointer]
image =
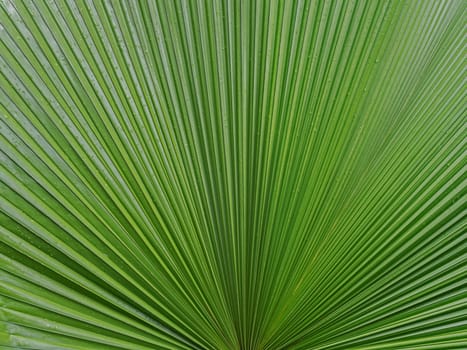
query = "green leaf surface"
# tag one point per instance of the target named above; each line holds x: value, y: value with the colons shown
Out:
x: 232, y: 175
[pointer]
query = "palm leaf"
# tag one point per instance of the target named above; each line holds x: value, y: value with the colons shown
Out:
x: 232, y: 174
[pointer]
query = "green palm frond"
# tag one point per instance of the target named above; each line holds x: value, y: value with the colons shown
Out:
x: 232, y: 174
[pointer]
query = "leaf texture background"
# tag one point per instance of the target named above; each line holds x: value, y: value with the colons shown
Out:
x: 232, y: 174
